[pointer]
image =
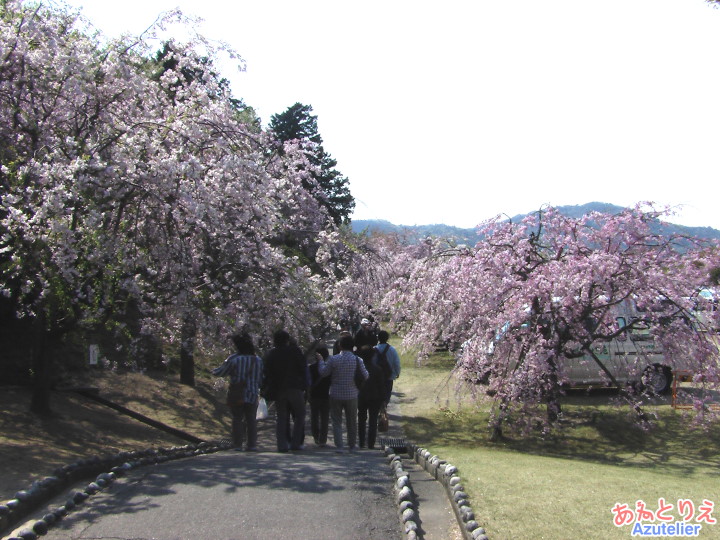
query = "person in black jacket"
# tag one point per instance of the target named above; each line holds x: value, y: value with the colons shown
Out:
x: 371, y: 397
x: 366, y: 335
x: 319, y: 400
x: 286, y: 383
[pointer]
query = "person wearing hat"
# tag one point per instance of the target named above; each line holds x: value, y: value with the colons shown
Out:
x: 366, y: 335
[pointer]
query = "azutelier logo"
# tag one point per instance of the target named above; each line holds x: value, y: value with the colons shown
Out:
x: 680, y: 520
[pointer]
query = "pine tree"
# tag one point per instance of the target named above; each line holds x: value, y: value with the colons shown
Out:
x: 298, y: 123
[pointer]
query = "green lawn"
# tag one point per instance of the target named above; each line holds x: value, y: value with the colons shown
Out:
x: 561, y: 486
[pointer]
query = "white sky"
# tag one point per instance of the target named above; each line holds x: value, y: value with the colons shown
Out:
x: 458, y: 110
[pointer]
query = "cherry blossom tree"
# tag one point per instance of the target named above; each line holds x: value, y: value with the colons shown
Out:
x: 533, y: 296
x: 359, y: 270
x: 118, y: 188
x: 60, y: 119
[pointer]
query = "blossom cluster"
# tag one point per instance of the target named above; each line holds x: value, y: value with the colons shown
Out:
x: 133, y: 182
x: 532, y: 297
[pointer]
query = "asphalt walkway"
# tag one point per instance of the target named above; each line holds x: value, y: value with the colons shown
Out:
x: 314, y: 493
x: 246, y: 496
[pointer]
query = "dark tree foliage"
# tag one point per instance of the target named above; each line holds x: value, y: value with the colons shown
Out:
x: 298, y: 123
x: 166, y: 59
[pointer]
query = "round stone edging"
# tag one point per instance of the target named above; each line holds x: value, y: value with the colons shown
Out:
x: 404, y: 495
x: 26, y: 501
x: 41, y: 491
x: 447, y: 475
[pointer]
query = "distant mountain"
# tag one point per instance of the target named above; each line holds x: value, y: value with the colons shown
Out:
x: 413, y: 233
x: 578, y: 211
x: 469, y: 236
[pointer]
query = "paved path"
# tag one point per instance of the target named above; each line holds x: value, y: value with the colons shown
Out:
x: 315, y: 494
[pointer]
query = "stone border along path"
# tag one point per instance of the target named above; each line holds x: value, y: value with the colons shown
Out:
x: 11, y: 512
x: 447, y: 475
x: 42, y: 491
x: 107, y: 470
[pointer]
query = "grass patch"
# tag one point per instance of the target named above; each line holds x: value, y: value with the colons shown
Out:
x: 563, y: 484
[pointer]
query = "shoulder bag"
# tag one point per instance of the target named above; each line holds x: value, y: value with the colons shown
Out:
x: 383, y: 421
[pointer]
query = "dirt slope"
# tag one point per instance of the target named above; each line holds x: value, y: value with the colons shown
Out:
x: 31, y: 447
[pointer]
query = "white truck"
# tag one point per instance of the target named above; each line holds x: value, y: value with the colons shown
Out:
x: 633, y: 358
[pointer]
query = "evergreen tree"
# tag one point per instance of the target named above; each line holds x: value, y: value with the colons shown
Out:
x: 168, y: 59
x: 298, y: 123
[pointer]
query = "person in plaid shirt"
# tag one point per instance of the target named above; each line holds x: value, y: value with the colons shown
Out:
x: 343, y: 392
x: 245, y: 366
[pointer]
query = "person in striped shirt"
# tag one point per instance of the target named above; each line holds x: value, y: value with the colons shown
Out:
x: 244, y: 366
x: 343, y: 392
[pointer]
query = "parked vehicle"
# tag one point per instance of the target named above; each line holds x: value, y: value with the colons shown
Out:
x: 633, y: 358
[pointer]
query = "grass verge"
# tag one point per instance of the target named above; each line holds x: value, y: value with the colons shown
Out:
x: 562, y: 485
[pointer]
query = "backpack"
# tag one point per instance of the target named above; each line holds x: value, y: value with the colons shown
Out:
x: 383, y: 361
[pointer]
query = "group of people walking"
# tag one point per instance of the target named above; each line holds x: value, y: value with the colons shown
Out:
x: 355, y: 381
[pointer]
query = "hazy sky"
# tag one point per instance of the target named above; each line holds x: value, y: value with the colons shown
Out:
x: 456, y: 111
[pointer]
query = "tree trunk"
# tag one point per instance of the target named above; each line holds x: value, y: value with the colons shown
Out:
x: 554, y: 409
x: 187, y: 350
x: 630, y: 398
x: 496, y: 433
x: 42, y: 369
